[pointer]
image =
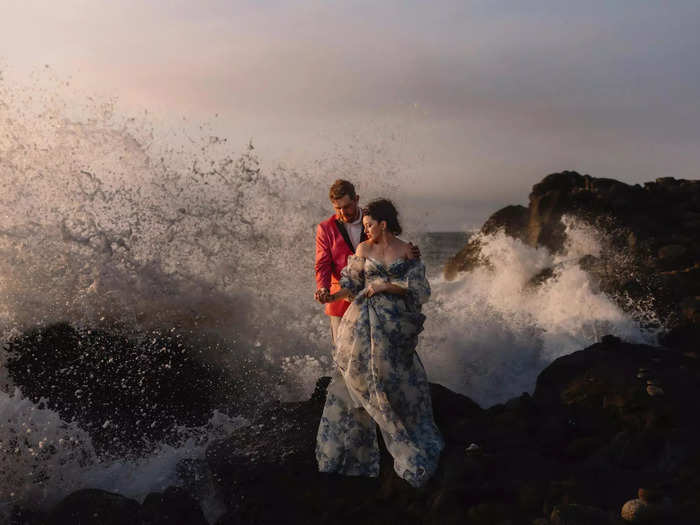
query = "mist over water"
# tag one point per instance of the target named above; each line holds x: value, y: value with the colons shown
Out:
x: 105, y: 225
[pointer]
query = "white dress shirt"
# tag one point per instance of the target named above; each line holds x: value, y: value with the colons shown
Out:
x: 354, y: 230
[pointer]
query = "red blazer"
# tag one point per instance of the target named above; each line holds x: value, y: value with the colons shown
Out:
x: 333, y: 247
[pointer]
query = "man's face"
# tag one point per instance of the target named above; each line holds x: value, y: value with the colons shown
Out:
x: 346, y: 208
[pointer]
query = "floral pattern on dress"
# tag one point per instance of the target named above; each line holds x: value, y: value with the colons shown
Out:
x: 379, y: 378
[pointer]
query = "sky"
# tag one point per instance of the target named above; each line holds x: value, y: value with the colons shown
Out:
x: 473, y: 102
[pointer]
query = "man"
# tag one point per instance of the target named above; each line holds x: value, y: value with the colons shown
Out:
x: 336, y: 239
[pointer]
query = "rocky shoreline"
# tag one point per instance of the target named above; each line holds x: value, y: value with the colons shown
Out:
x: 604, y: 426
x: 608, y: 436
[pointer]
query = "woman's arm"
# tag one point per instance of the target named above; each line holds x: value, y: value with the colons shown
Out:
x: 343, y: 293
x: 380, y: 287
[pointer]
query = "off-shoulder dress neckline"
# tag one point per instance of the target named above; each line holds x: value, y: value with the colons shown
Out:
x: 392, y: 263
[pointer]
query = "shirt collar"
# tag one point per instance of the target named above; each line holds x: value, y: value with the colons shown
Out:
x: 357, y: 221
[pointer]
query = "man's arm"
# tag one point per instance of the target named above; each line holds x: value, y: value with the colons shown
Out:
x: 324, y: 260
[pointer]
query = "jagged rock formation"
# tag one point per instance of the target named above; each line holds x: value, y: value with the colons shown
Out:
x: 652, y: 231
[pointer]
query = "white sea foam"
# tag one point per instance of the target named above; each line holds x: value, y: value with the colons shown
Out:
x: 489, y: 333
x: 45, y: 458
x: 42, y: 456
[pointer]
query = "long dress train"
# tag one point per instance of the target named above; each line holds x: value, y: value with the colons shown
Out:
x: 379, y: 379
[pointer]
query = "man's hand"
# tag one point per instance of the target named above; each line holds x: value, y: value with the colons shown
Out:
x: 322, y: 295
x: 414, y: 251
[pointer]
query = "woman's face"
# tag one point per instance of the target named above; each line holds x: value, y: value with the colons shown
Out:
x: 373, y: 229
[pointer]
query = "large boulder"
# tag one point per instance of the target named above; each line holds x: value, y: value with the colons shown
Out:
x: 125, y: 391
x: 95, y: 507
x: 174, y: 506
x: 511, y: 219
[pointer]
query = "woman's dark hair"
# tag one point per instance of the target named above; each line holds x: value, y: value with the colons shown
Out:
x: 384, y: 210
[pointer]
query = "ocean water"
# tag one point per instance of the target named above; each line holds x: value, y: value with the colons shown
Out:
x: 437, y: 247
x: 105, y: 225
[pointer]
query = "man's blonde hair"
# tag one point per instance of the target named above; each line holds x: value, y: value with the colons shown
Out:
x: 341, y: 188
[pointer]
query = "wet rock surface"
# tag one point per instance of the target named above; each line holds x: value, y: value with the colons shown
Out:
x: 90, y: 506
x: 573, y: 452
x: 588, y: 441
x: 125, y: 392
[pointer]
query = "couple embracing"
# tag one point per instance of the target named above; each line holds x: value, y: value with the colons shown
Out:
x: 373, y: 285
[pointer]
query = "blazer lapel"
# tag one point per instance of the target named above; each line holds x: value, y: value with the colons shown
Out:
x: 344, y: 233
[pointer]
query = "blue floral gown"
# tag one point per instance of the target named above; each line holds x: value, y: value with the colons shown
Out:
x: 379, y: 379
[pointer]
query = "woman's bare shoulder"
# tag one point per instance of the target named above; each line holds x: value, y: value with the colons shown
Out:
x: 405, y: 249
x: 363, y: 249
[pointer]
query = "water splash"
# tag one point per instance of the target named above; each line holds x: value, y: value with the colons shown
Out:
x: 45, y: 458
x: 490, y: 332
x: 106, y: 225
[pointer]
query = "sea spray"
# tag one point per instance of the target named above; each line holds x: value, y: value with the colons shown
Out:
x: 108, y: 227
x: 491, y: 331
x: 45, y: 458
x: 109, y: 231
x: 42, y: 456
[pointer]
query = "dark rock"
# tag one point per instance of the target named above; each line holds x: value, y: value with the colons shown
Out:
x: 488, y: 512
x: 319, y: 394
x: 575, y: 450
x: 682, y: 338
x: 574, y: 514
x: 124, y: 392
x: 95, y: 507
x: 531, y: 496
x: 589, y: 423
x: 549, y: 200
x: 194, y: 475
x: 175, y: 506
x: 512, y: 219
x: 540, y: 277
x: 609, y: 339
x: 636, y: 449
x: 650, y: 495
x: 466, y: 260
x: 672, y: 251
x: 642, y: 511
x: 690, y: 310
x: 23, y: 516
x: 655, y: 391
x: 591, y: 264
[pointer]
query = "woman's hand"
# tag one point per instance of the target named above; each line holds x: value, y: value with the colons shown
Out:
x: 375, y: 288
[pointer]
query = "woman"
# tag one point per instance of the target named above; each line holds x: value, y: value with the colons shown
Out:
x: 379, y: 379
